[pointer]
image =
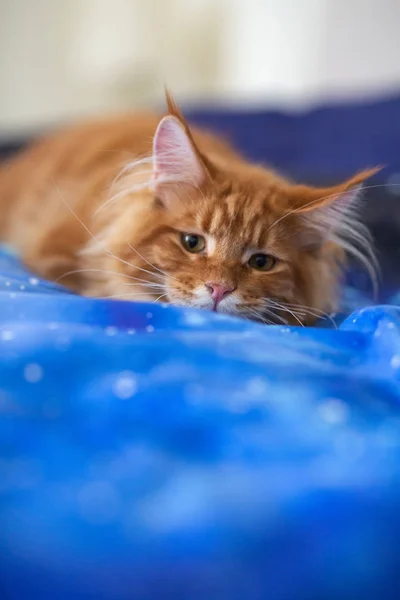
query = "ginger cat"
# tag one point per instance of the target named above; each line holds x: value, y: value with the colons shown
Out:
x: 148, y: 209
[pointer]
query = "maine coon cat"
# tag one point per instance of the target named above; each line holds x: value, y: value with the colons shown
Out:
x: 147, y: 209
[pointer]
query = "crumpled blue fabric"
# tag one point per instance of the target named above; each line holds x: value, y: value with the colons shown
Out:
x: 154, y: 452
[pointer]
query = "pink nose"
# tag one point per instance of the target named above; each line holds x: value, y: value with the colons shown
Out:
x: 218, y: 291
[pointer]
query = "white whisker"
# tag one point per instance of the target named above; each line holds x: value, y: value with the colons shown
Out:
x: 314, y: 312
x: 107, y: 271
x: 124, y: 192
x: 275, y: 316
x: 88, y: 230
x: 119, y: 296
x: 146, y: 261
x: 149, y: 284
x: 339, y: 223
x: 107, y: 251
x: 129, y: 172
x: 258, y: 315
x: 159, y: 297
x: 284, y: 308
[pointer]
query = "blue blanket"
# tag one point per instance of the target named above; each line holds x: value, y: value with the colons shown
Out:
x: 151, y: 452
x: 148, y: 452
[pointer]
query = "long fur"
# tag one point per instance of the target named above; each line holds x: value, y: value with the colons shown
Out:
x: 100, y: 207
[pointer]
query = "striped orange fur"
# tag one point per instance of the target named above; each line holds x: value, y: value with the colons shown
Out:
x: 102, y: 207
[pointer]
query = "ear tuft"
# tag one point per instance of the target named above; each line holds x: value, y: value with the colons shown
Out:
x: 331, y: 215
x: 327, y: 213
x: 306, y: 199
x: 173, y: 108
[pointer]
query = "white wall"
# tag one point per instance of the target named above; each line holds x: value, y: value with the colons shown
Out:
x: 297, y: 52
x: 272, y: 49
x: 362, y: 45
x: 60, y: 59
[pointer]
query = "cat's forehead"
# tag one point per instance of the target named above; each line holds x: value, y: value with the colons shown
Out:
x: 242, y: 219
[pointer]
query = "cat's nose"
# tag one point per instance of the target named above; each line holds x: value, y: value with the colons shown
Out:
x: 218, y: 291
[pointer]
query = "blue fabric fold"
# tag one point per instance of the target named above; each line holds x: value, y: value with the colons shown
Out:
x: 150, y: 451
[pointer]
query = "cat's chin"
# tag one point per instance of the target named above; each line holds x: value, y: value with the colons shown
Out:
x: 220, y: 309
x: 209, y: 307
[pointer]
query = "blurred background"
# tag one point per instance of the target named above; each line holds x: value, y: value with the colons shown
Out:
x: 60, y: 60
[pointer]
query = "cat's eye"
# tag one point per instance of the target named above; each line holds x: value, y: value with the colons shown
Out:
x: 192, y: 242
x: 262, y: 262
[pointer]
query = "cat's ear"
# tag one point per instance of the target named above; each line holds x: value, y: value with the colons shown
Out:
x: 327, y: 210
x: 175, y: 158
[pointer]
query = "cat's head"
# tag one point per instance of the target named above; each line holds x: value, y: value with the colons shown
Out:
x: 223, y: 235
